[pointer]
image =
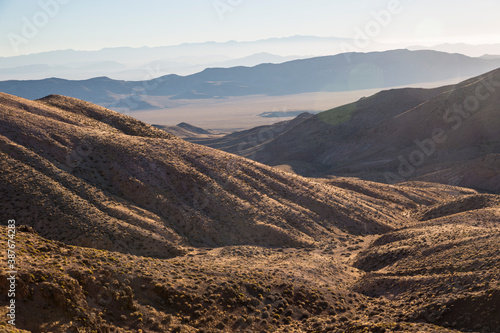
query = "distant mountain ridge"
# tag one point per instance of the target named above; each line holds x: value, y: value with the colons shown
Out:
x: 146, y: 53
x: 137, y: 63
x: 344, y: 72
x: 140, y: 62
x: 118, y: 71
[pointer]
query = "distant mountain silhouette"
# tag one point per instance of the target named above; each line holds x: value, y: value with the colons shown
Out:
x: 214, y: 51
x: 146, y: 62
x: 140, y: 63
x: 345, y: 72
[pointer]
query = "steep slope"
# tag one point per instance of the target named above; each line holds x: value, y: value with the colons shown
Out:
x: 304, y: 139
x: 344, y: 72
x: 447, y: 135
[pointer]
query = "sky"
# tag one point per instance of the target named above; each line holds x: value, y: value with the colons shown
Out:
x: 33, y: 26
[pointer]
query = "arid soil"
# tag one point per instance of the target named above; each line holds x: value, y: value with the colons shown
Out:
x: 122, y: 227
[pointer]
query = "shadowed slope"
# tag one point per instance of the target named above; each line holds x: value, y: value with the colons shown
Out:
x: 308, y: 140
x: 447, y: 135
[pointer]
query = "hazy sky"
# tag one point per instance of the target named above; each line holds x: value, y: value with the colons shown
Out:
x: 31, y: 26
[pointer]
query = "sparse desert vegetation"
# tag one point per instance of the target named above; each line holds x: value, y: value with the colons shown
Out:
x: 126, y: 228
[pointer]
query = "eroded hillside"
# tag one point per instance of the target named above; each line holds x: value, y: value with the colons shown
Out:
x: 123, y: 227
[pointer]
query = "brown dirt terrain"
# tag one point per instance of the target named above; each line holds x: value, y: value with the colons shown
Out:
x: 125, y: 228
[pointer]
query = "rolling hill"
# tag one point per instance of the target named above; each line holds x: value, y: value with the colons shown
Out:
x: 111, y: 170
x: 121, y: 226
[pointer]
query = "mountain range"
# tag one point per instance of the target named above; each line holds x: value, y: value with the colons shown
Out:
x: 344, y: 72
x: 180, y: 65
x: 138, y: 63
x: 122, y: 226
x: 133, y: 64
